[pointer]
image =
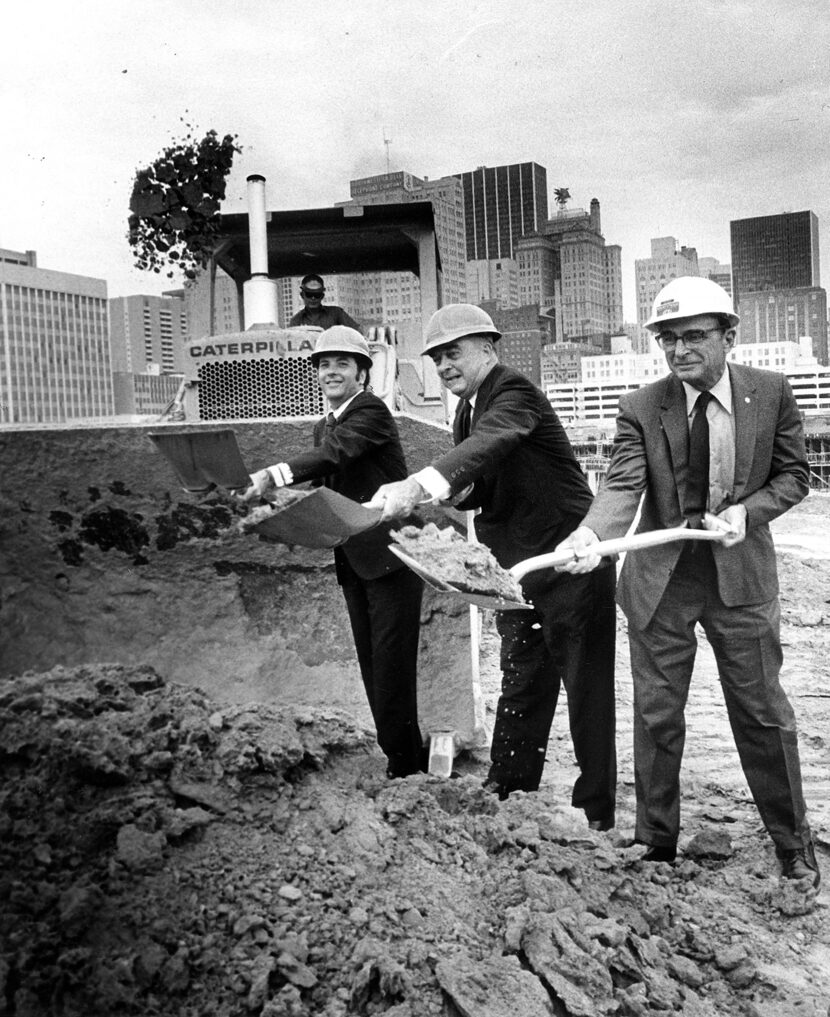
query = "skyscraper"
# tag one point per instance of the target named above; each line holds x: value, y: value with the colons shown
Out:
x: 774, y: 252
x: 147, y: 339
x: 448, y: 209
x: 148, y: 330
x: 394, y: 298
x: 651, y: 274
x: 574, y: 276
x: 711, y: 268
x: 502, y: 204
x: 776, y: 280
x: 54, y: 344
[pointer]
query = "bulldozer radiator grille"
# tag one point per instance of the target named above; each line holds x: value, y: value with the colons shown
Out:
x: 235, y: 389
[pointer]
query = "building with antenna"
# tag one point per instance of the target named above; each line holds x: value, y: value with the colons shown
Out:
x: 393, y: 298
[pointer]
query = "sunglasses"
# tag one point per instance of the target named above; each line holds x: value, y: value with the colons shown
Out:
x: 313, y: 293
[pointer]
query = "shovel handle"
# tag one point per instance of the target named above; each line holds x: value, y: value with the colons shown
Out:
x: 618, y: 546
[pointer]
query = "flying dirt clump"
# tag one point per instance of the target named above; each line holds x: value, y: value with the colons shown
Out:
x: 160, y: 854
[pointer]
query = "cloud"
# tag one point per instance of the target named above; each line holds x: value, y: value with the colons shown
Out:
x: 677, y: 116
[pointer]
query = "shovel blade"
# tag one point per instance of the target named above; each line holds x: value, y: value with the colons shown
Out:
x: 203, y: 459
x: 482, y: 600
x: 323, y: 518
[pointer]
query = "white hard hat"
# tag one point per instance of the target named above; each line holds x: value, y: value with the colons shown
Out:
x: 342, y: 339
x: 687, y: 297
x: 454, y: 321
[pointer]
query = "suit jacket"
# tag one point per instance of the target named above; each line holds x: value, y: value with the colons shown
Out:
x: 362, y: 452
x: 525, y: 477
x: 650, y: 458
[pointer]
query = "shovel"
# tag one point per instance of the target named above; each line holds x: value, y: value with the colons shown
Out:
x: 554, y: 558
x: 202, y: 460
x: 321, y: 518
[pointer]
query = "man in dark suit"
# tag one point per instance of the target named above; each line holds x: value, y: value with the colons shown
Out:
x: 356, y: 448
x: 728, y: 439
x: 513, y: 462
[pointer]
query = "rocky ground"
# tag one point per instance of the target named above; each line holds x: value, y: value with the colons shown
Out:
x: 163, y: 854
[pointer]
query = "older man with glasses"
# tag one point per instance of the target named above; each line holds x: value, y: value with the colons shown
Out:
x: 726, y: 440
x: 315, y: 313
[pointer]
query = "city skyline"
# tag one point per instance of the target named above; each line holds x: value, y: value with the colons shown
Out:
x: 94, y: 91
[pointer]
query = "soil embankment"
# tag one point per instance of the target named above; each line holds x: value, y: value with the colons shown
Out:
x: 165, y: 853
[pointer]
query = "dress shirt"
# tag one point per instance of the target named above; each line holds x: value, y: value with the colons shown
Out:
x: 281, y: 472
x: 721, y: 439
x: 436, y: 486
x: 341, y: 409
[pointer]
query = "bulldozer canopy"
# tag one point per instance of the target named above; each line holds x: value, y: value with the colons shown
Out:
x: 352, y: 238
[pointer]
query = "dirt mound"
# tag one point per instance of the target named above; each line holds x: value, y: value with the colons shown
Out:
x: 161, y: 854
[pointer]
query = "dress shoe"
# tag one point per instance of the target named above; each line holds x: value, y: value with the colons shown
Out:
x: 601, y: 825
x: 660, y: 853
x: 800, y: 863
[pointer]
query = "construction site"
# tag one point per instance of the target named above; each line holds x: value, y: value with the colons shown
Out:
x: 195, y: 817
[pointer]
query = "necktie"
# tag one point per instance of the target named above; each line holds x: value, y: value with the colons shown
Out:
x: 329, y: 425
x: 697, y: 485
x: 464, y: 417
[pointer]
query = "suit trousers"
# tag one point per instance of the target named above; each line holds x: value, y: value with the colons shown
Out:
x: 568, y: 639
x: 385, y: 617
x: 747, y: 649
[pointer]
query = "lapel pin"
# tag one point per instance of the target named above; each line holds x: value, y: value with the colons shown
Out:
x: 746, y: 399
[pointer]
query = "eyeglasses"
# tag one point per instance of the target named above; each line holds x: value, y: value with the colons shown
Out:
x: 313, y: 293
x: 698, y: 336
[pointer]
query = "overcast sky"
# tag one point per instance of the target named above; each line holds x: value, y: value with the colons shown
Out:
x: 677, y: 116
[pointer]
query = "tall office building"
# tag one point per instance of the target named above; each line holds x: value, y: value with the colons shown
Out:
x: 147, y: 340
x: 774, y: 252
x: 394, y: 298
x: 447, y: 199
x: 494, y: 282
x: 540, y: 271
x: 651, y: 274
x: 524, y: 333
x: 776, y: 280
x: 54, y: 344
x: 576, y: 278
x: 786, y: 315
x: 711, y: 268
x: 223, y: 317
x: 502, y: 204
x: 148, y: 330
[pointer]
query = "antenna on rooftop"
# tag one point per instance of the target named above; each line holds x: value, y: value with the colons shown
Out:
x: 387, y: 142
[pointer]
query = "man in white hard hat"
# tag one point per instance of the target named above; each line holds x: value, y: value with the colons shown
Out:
x: 727, y: 440
x: 512, y: 460
x: 314, y: 312
x: 356, y: 448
